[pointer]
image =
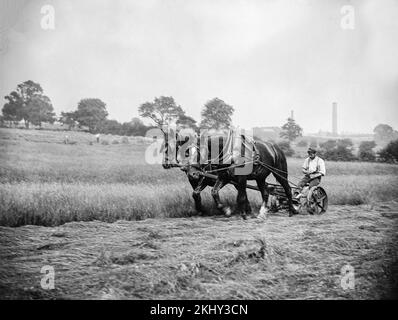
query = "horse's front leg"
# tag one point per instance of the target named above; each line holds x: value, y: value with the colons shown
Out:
x: 262, y: 186
x: 216, y: 196
x: 197, y: 185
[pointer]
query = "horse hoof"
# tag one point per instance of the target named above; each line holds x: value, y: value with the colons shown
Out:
x: 227, y: 212
x: 262, y: 216
x: 263, y: 211
x: 291, y: 214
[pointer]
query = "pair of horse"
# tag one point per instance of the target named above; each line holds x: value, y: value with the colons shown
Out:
x: 269, y: 159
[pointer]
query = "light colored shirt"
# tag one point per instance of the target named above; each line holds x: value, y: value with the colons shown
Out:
x: 316, y: 165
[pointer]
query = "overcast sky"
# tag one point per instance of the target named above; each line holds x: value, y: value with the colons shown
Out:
x: 265, y: 58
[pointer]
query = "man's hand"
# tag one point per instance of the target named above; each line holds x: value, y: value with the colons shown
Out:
x: 314, y: 175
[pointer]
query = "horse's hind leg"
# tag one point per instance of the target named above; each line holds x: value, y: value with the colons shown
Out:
x: 243, y: 202
x: 288, y: 191
x: 247, y: 206
x: 216, y: 196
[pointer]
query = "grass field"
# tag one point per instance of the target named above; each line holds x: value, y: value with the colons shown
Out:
x: 56, y: 201
x: 46, y: 182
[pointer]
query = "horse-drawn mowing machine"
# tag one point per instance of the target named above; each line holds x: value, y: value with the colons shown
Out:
x: 313, y: 200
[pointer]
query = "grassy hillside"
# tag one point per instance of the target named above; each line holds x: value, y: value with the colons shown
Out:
x: 46, y: 182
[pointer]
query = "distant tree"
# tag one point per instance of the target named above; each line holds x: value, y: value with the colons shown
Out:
x: 286, y: 148
x: 291, y: 130
x: 163, y: 110
x: 313, y: 144
x: 345, y: 143
x: 383, y: 133
x: 134, y: 128
x: 137, y: 122
x: 337, y: 150
x: 187, y: 122
x: 68, y: 119
x: 390, y: 152
x: 328, y: 145
x: 39, y: 109
x: 1, y: 121
x: 15, y: 109
x: 91, y: 113
x: 216, y: 114
x: 366, y: 152
x: 302, y: 143
x: 110, y: 127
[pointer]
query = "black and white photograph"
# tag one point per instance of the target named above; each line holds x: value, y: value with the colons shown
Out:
x: 201, y: 150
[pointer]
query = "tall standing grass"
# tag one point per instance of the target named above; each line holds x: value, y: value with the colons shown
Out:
x: 50, y: 183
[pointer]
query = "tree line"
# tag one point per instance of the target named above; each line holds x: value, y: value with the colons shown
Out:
x: 343, y: 150
x: 29, y: 104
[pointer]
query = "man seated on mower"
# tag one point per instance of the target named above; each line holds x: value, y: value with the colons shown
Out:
x: 313, y: 169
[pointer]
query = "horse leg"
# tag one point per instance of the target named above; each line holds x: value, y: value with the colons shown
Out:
x: 262, y: 186
x: 285, y: 184
x: 219, y: 184
x: 248, y: 207
x: 197, y: 189
x: 242, y: 197
x: 197, y: 198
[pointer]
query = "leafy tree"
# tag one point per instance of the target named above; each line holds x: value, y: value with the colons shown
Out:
x: 108, y: 126
x: 162, y: 110
x: 383, y: 133
x: 390, y: 152
x: 68, y: 119
x: 40, y: 109
x: 16, y: 107
x: 216, y: 114
x: 13, y: 109
x: 302, y: 143
x: 187, y: 121
x: 314, y: 144
x: 91, y: 113
x: 286, y: 148
x: 366, y: 152
x: 135, y: 128
x: 345, y: 143
x: 337, y: 150
x: 291, y: 130
x: 328, y: 145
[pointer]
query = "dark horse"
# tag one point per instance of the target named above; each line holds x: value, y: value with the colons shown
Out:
x: 269, y: 159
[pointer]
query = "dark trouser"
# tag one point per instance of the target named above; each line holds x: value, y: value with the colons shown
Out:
x: 311, y: 182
